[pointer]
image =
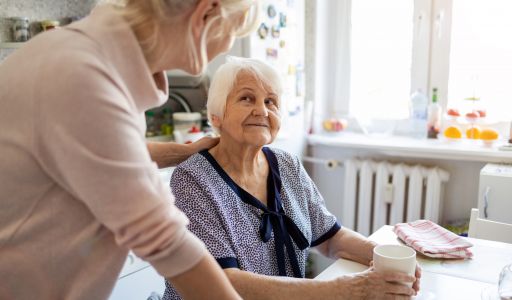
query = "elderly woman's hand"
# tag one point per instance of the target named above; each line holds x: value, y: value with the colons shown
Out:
x: 416, y: 284
x: 417, y: 274
x: 372, y: 285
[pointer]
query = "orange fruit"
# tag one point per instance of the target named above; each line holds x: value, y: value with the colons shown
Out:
x: 473, y: 132
x: 453, y: 132
x: 489, y: 134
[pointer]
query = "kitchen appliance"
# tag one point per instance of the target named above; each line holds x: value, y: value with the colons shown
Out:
x: 495, y: 196
x: 187, y: 93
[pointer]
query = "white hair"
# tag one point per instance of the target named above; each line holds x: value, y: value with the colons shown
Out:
x: 241, y: 14
x: 225, y: 78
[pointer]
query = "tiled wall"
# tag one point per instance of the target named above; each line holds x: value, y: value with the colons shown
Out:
x: 37, y: 10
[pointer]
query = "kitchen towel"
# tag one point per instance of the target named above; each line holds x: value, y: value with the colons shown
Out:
x: 433, y: 240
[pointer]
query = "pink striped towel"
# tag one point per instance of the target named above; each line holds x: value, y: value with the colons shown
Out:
x: 433, y: 240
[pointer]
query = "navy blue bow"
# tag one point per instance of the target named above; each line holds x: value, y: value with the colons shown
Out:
x: 275, y: 219
x: 283, y: 228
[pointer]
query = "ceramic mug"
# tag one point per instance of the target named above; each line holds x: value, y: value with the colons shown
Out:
x: 395, y: 258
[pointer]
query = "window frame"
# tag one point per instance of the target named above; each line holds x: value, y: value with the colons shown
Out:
x: 430, y: 57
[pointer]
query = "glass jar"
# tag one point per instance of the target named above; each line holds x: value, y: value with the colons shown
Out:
x: 49, y: 24
x: 20, y: 29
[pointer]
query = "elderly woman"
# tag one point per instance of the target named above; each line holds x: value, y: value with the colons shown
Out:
x: 255, y: 207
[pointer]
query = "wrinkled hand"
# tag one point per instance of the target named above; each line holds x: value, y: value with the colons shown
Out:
x: 204, y: 143
x: 417, y: 274
x: 372, y: 285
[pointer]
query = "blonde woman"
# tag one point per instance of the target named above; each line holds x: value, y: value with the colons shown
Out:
x: 78, y: 187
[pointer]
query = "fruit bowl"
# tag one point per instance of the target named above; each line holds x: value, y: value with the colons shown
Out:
x: 489, y: 136
x: 452, y: 132
x: 473, y: 132
x: 452, y: 114
x: 472, y: 117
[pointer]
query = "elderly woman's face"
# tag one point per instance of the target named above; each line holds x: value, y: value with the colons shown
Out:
x: 252, y: 112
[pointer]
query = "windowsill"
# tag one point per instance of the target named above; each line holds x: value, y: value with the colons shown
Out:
x: 468, y: 150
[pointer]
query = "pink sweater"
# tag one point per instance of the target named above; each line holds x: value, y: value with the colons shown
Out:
x: 77, y: 185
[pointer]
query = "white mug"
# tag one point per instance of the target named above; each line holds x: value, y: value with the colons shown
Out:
x: 395, y: 258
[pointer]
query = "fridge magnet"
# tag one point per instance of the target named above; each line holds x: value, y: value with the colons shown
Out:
x: 271, y: 11
x: 272, y: 53
x: 276, y: 31
x: 263, y: 31
x: 282, y: 20
x: 282, y: 43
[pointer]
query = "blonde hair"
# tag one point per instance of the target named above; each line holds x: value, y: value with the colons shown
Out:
x: 225, y: 78
x: 151, y: 13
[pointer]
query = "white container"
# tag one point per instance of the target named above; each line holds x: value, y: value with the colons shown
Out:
x: 184, y: 121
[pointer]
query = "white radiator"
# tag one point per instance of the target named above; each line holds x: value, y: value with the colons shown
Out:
x: 380, y: 193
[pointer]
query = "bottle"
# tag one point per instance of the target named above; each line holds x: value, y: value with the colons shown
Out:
x: 49, y: 24
x: 434, y: 117
x: 418, y: 105
x: 150, y: 124
x: 418, y: 114
x: 20, y: 29
x: 166, y: 126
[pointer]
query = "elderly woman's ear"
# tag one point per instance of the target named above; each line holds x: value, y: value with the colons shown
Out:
x: 204, y: 11
x: 216, y: 121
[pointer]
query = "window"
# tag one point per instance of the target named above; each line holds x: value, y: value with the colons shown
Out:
x: 461, y: 47
x: 380, y: 60
x: 481, y: 57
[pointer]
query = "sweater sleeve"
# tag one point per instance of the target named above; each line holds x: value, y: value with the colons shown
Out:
x: 89, y: 139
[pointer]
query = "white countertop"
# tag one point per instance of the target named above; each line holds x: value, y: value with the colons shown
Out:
x: 443, y: 279
x: 469, y: 150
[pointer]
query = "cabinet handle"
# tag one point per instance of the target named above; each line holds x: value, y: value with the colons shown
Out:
x: 486, y: 201
x: 130, y: 259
